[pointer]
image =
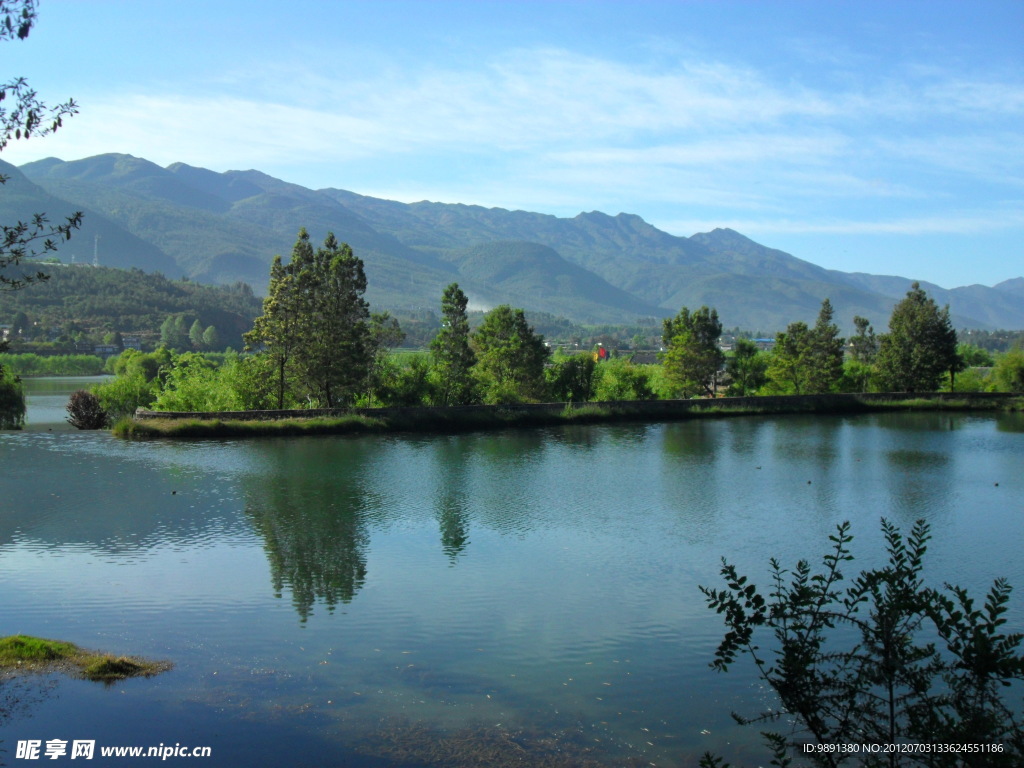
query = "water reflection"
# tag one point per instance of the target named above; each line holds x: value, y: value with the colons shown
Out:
x: 451, y: 496
x: 311, y: 512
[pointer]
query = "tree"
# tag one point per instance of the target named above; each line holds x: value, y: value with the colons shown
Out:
x: 20, y: 323
x: 452, y: 356
x: 274, y: 332
x: 12, y: 401
x: 385, y: 334
x: 920, y: 346
x: 826, y: 353
x: 1008, y: 373
x: 195, y: 334
x: 211, y: 338
x: 864, y: 345
x: 808, y: 360
x: 693, y: 358
x: 86, y: 412
x: 573, y: 379
x: 746, y: 368
x: 26, y: 117
x: 859, y: 368
x: 510, y: 357
x: 334, y: 350
x: 787, y: 368
x: 174, y: 333
x: 885, y: 660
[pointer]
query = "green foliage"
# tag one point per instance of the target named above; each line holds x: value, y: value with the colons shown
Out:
x: 316, y: 325
x: 573, y: 379
x: 29, y: 364
x: 193, y: 383
x: 195, y: 335
x: 211, y: 338
x: 975, y: 356
x: 274, y: 332
x: 138, y: 380
x: 12, y: 401
x: 864, y: 344
x: 408, y: 384
x: 807, y: 361
x: 885, y: 660
x: 747, y: 369
x: 452, y: 356
x: 103, y: 300
x: 858, y: 377
x: 621, y: 380
x: 510, y: 357
x: 1008, y: 373
x: 920, y: 346
x: 826, y: 353
x: 969, y: 380
x: 693, y: 358
x: 86, y: 412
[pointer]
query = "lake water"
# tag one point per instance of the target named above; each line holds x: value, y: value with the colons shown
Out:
x: 411, y: 600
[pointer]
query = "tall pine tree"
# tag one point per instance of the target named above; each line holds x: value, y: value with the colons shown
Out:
x: 453, y: 358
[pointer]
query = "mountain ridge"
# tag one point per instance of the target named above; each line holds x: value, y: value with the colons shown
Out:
x: 594, y: 267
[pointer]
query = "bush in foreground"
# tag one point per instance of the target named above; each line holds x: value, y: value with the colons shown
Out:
x: 886, y: 660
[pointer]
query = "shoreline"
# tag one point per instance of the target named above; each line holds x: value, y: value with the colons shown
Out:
x: 455, y: 419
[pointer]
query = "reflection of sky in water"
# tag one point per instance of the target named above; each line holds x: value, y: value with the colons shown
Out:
x: 519, y: 577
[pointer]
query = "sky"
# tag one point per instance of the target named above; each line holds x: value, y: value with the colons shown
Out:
x: 881, y: 137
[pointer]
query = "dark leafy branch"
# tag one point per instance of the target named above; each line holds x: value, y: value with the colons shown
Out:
x: 885, y: 660
x: 22, y: 116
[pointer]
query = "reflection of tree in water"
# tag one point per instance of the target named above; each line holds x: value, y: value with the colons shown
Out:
x: 311, y: 515
x: 317, y: 553
x: 454, y: 527
x: 451, y: 498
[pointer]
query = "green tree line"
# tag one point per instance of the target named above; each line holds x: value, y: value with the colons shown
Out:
x: 317, y: 344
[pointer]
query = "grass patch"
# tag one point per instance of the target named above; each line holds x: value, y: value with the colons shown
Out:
x: 133, y: 429
x: 25, y: 654
x: 477, y: 418
x: 19, y: 649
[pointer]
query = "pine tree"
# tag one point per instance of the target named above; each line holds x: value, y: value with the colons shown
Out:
x: 274, y: 332
x: 920, y: 346
x: 826, y: 353
x: 334, y: 351
x: 453, y: 357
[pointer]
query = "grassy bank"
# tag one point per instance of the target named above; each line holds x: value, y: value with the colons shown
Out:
x: 473, y: 418
x: 23, y: 653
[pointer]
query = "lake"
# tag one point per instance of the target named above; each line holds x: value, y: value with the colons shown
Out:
x: 417, y: 600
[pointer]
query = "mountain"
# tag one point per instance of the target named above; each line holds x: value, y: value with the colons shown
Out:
x: 20, y: 199
x: 592, y: 268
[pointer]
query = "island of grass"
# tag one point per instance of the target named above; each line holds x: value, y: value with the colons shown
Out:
x: 21, y: 654
x: 193, y: 425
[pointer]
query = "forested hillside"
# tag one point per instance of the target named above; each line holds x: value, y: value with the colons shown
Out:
x: 81, y: 299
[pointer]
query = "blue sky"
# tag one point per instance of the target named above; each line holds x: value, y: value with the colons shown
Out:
x: 881, y: 137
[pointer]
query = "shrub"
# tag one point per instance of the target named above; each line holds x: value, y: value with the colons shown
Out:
x: 886, y: 660
x: 86, y: 412
x: 12, y: 402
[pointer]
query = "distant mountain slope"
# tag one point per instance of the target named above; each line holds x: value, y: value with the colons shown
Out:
x: 531, y: 274
x: 20, y: 198
x: 224, y: 227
